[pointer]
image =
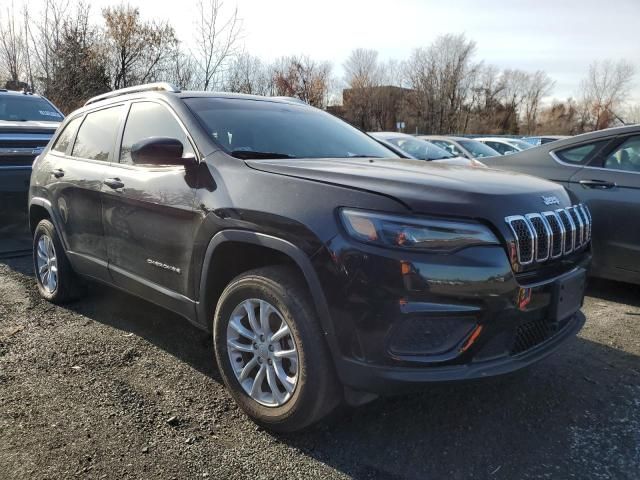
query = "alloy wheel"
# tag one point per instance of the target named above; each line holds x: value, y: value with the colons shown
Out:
x: 263, y: 353
x: 47, y: 263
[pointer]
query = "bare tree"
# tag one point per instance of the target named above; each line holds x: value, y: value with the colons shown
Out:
x: 559, y: 118
x: 512, y: 94
x: 182, y: 70
x: 80, y: 67
x: 538, y: 86
x: 139, y: 51
x: 362, y: 69
x: 44, y: 39
x: 12, y: 43
x: 632, y: 114
x: 248, y: 74
x: 304, y: 78
x: 439, y: 75
x: 217, y: 38
x: 362, y: 77
x: 604, y: 91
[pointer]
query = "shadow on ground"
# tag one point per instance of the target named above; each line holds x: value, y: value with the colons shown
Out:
x: 619, y: 292
x: 573, y: 415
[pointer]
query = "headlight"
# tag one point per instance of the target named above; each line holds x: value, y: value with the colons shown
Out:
x: 434, y: 235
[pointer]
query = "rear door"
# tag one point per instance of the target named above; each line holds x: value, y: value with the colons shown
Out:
x: 149, y: 214
x: 610, y: 185
x: 77, y: 166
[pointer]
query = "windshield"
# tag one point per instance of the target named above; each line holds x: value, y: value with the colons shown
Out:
x: 420, y: 149
x: 22, y: 108
x: 263, y: 129
x: 478, y: 149
x: 521, y: 144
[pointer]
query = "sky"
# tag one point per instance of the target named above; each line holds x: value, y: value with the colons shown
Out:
x: 560, y: 37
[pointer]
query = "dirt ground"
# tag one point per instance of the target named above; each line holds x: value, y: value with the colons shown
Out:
x: 113, y: 387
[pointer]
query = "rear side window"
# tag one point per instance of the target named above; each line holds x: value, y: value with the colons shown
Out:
x: 148, y: 119
x: 64, y: 139
x: 97, y: 134
x: 579, y: 155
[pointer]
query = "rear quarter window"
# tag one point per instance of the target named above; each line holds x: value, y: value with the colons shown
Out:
x: 581, y: 154
x: 66, y: 137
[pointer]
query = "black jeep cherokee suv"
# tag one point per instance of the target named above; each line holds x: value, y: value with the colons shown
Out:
x: 327, y: 268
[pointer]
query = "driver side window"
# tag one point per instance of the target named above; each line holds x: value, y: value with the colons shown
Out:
x: 149, y: 119
x: 626, y: 156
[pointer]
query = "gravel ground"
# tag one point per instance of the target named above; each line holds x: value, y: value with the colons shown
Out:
x: 113, y: 387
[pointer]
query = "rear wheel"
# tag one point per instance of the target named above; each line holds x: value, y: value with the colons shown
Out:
x: 54, y: 276
x: 271, y: 352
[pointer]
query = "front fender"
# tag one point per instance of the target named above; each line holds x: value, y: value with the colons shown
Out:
x: 292, y: 251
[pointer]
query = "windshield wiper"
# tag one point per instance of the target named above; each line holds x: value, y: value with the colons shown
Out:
x: 362, y: 156
x: 252, y: 154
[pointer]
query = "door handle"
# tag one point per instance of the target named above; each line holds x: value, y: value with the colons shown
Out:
x: 114, y: 183
x: 58, y: 173
x: 603, y: 184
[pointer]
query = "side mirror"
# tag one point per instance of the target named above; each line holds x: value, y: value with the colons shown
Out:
x: 159, y: 151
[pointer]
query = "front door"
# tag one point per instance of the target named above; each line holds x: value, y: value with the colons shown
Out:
x: 148, y: 212
x: 610, y: 185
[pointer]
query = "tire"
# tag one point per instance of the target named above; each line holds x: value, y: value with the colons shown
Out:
x: 316, y: 392
x: 66, y: 286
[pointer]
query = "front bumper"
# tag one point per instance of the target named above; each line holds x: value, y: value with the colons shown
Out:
x: 387, y: 380
x: 404, y: 319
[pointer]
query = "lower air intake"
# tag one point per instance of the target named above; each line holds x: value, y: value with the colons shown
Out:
x: 531, y: 334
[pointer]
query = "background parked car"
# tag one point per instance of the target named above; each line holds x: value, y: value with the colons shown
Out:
x: 602, y: 169
x: 422, y: 149
x: 27, y: 123
x: 505, y: 146
x: 462, y: 147
x: 535, y: 141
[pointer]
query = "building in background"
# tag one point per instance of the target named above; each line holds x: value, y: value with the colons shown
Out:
x: 381, y: 108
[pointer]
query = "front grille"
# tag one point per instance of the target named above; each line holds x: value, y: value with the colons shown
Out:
x: 23, y: 143
x: 530, y: 334
x: 539, y: 237
x: 524, y: 238
x: 16, y: 160
x: 557, y: 234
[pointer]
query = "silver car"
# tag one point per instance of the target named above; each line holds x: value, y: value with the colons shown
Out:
x: 504, y: 145
x: 462, y: 147
x: 422, y: 149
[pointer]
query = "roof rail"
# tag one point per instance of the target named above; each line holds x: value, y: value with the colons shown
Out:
x: 147, y: 87
x: 291, y: 99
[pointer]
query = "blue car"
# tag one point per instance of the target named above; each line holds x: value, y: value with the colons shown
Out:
x: 27, y: 123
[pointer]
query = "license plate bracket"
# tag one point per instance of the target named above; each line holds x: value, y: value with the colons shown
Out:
x: 568, y: 295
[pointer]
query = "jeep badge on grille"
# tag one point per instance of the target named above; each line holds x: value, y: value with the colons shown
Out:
x: 550, y: 200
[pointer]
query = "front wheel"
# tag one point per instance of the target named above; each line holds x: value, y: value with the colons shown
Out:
x: 271, y: 351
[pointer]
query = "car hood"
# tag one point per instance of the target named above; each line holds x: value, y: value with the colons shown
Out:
x: 437, y: 188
